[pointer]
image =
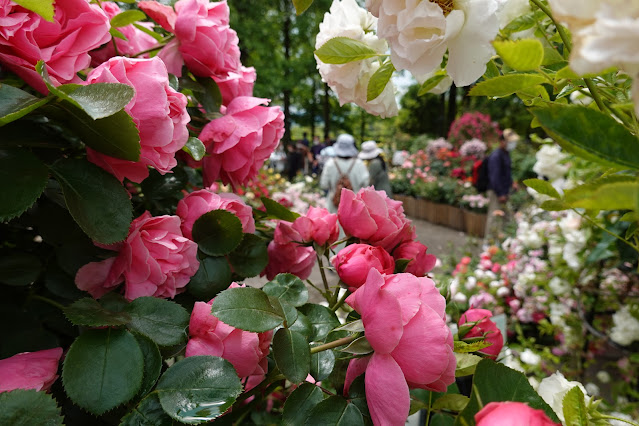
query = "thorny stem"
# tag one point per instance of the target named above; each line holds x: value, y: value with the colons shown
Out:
x: 334, y: 344
x: 47, y: 300
x: 323, y: 273
x: 560, y: 29
x: 340, y: 302
x: 607, y: 231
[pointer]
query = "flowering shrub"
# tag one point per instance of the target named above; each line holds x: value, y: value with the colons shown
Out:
x: 473, y: 125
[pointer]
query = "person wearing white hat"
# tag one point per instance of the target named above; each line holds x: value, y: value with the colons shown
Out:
x: 373, y: 156
x: 345, y: 162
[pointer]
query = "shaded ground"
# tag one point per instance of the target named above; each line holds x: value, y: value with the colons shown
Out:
x: 441, y: 241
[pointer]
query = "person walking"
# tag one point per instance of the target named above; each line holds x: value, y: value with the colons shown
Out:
x: 500, y: 182
x: 346, y: 163
x: 372, y: 155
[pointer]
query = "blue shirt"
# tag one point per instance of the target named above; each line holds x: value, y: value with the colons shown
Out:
x: 499, y: 172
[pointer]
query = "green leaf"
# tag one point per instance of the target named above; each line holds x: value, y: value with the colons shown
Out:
x: 543, y: 187
x: 430, y: 84
x: 96, y: 200
x: 534, y: 96
x: 322, y: 320
x: 379, y: 80
x: 275, y: 210
x: 152, y: 363
x: 289, y: 288
x: 491, y: 70
x: 521, y: 55
x: 250, y: 257
x: 451, y: 401
x: 195, y: 148
x: 149, y: 412
x: 574, y: 406
x: 29, y: 408
x: 300, y: 403
x: 283, y: 309
x: 101, y: 100
x: 590, y: 134
x: 613, y: 196
x: 89, y: 312
x: 16, y: 103
x: 359, y: 346
x: 513, y: 386
x: 554, y: 205
x: 103, y: 369
x: 355, y: 326
x: 43, y: 8
x: 23, y: 177
x: 127, y: 17
x: 463, y: 347
x: 117, y: 34
x: 521, y: 23
x: 246, y: 308
x: 302, y: 325
x: 505, y: 85
x: 335, y: 411
x: 322, y: 364
x: 19, y: 269
x: 160, y: 320
x: 198, y: 389
x: 209, y: 94
x: 301, y: 5
x: 342, y: 50
x: 213, y: 276
x: 466, y: 364
x: 292, y: 355
x: 357, y: 395
x: 156, y: 36
x: 217, y: 232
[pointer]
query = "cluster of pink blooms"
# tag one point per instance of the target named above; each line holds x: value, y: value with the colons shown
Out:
x: 238, y: 143
x: 437, y: 145
x: 473, y: 125
x: 475, y: 201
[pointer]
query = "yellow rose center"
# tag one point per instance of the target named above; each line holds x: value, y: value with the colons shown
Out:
x: 446, y: 5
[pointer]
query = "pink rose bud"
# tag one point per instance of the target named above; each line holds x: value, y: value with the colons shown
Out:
x: 484, y: 328
x: 137, y: 40
x: 30, y: 370
x: 510, y: 414
x: 247, y: 351
x: 203, y: 42
x: 420, y: 262
x: 158, y: 111
x: 289, y: 258
x: 154, y: 260
x: 64, y: 44
x: 236, y: 83
x: 374, y: 218
x: 195, y: 204
x: 317, y: 226
x: 354, y: 262
x: 405, y: 323
x: 239, y: 143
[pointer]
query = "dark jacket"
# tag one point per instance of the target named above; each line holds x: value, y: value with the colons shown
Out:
x: 499, y: 172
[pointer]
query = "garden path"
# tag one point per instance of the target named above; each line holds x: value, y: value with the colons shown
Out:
x: 441, y: 241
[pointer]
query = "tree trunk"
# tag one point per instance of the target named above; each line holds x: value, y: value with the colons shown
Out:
x: 313, y: 108
x: 452, y: 106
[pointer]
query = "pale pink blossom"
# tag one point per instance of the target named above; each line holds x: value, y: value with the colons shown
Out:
x: 317, y: 226
x: 420, y: 262
x: 236, y: 83
x: 30, y: 370
x: 511, y: 413
x: 484, y: 328
x: 354, y: 262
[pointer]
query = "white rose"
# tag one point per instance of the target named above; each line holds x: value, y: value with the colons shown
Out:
x: 553, y: 389
x: 549, y: 158
x: 529, y: 357
x: 626, y: 327
x: 603, y: 376
x: 460, y: 298
x: 511, y: 9
x: 503, y: 292
x: 420, y: 32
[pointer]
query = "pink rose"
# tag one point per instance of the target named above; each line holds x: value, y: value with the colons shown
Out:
x: 154, y: 260
x: 317, y: 226
x: 30, y: 370
x: 203, y: 39
x: 247, y: 351
x: 195, y: 204
x: 374, y: 218
x: 136, y: 42
x: 239, y: 143
x: 289, y: 258
x: 511, y: 414
x: 26, y: 38
x: 420, y: 262
x: 354, y: 262
x: 484, y: 328
x: 405, y: 323
x: 158, y: 111
x: 237, y: 83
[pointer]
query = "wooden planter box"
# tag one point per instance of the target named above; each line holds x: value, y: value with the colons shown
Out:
x: 441, y: 214
x: 456, y: 218
x: 475, y: 223
x: 428, y: 211
x: 410, y: 206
